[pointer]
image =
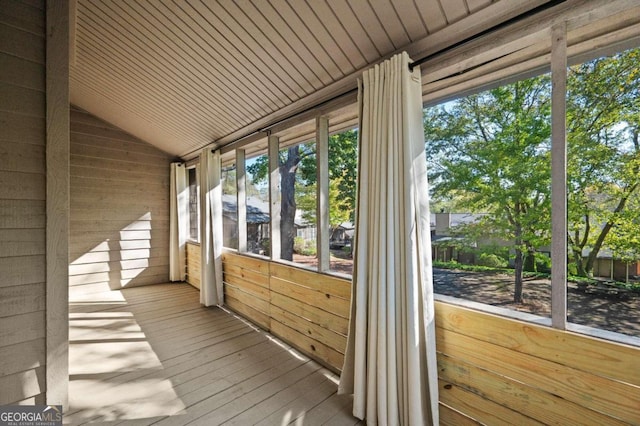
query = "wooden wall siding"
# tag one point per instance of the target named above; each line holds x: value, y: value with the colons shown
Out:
x: 492, y: 370
x: 119, y: 225
x: 193, y: 264
x: 308, y: 310
x: 22, y: 202
x: 502, y: 371
x: 246, y: 287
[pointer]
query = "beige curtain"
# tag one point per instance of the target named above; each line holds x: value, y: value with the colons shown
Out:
x: 390, y: 362
x: 211, y: 289
x: 178, y: 215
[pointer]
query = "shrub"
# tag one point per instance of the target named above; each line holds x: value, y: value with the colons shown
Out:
x: 491, y: 260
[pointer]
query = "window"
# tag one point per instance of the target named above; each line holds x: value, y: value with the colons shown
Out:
x: 298, y: 202
x: 603, y: 197
x: 343, y: 157
x: 489, y: 169
x: 194, y: 200
x: 229, y: 206
x: 257, y: 204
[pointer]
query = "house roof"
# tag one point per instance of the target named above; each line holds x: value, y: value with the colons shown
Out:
x: 185, y: 73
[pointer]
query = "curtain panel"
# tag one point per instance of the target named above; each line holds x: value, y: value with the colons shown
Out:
x: 178, y: 226
x: 211, y: 288
x: 390, y: 361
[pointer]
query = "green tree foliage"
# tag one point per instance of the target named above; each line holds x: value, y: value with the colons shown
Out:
x: 603, y: 118
x: 297, y: 166
x: 491, y: 152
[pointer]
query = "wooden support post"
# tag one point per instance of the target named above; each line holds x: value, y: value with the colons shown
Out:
x: 57, y: 233
x: 322, y: 206
x: 558, y: 176
x: 274, y: 196
x: 241, y: 185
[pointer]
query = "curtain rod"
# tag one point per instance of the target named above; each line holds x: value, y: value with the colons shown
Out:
x: 543, y: 7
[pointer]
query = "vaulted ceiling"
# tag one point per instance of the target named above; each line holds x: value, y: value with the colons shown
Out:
x: 181, y: 74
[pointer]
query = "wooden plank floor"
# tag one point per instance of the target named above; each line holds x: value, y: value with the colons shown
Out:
x: 154, y: 355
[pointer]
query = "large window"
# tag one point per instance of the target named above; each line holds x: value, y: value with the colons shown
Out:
x: 603, y: 177
x: 489, y: 166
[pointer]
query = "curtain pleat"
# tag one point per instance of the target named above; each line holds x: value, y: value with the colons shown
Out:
x: 390, y: 363
x: 179, y: 210
x: 211, y: 287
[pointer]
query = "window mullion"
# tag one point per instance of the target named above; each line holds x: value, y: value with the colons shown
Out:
x: 558, y: 176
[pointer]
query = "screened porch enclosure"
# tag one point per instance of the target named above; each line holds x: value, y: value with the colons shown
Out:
x: 99, y: 98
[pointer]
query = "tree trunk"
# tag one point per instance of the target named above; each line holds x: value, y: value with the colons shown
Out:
x: 530, y: 261
x: 517, y: 291
x: 518, y: 264
x: 288, y: 170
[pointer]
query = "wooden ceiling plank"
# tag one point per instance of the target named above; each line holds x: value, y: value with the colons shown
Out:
x: 252, y: 72
x: 251, y: 53
x: 144, y: 130
x: 207, y: 43
x: 284, y: 30
x: 454, y: 10
x: 283, y: 46
x: 227, y: 85
x: 476, y: 5
x: 372, y: 26
x: 386, y: 14
x: 321, y: 33
x: 207, y: 83
x: 432, y: 14
x: 87, y: 85
x: 339, y: 33
x: 410, y: 18
x: 142, y: 109
x: 308, y: 38
x: 351, y: 24
x: 135, y: 53
x: 104, y: 64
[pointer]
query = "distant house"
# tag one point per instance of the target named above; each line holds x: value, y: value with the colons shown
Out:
x: 257, y: 223
x: 445, y: 246
x: 607, y: 266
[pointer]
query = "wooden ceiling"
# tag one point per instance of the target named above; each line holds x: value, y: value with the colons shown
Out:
x: 181, y: 74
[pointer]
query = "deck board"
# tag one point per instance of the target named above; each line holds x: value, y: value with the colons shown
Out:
x: 154, y: 356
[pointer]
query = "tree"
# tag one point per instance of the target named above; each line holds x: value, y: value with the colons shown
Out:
x: 492, y: 150
x: 297, y: 167
x: 603, y: 116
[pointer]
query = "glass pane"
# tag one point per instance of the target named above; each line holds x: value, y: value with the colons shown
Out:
x: 603, y: 200
x: 343, y: 157
x: 194, y: 224
x: 229, y: 207
x: 258, y: 204
x: 298, y: 192
x: 489, y: 168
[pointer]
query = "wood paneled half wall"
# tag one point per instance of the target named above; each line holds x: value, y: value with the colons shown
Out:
x: 492, y: 369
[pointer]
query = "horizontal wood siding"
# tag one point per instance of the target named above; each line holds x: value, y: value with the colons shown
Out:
x: 193, y: 264
x: 119, y: 224
x: 492, y: 370
x: 22, y: 202
x: 502, y: 371
x: 246, y: 287
x: 308, y: 310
